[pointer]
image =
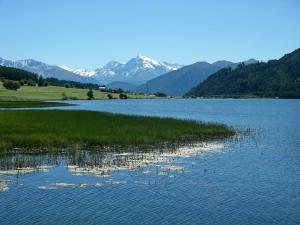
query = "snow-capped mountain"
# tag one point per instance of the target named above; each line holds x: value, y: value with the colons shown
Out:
x: 137, y: 70
x: 81, y: 72
x: 46, y: 70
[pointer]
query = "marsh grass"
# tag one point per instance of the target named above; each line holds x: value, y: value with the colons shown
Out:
x: 29, y: 104
x: 50, y: 129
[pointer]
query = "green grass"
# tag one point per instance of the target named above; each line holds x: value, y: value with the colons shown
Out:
x: 29, y: 104
x: 52, y: 129
x: 53, y: 93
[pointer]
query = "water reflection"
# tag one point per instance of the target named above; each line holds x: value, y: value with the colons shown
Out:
x: 4, y: 185
x: 24, y: 163
x: 99, y: 164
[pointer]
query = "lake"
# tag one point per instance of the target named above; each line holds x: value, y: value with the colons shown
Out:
x: 253, y: 178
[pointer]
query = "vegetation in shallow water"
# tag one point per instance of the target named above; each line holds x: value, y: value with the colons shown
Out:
x: 45, y: 129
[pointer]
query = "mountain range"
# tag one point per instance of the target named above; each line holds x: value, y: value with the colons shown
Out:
x: 275, y: 78
x: 136, y: 71
x: 180, y: 81
x: 140, y: 74
x: 46, y: 70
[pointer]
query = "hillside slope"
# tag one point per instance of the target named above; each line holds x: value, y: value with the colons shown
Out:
x: 178, y: 82
x: 276, y: 78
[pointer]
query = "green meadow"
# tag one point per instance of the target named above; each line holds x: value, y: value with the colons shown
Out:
x: 51, y: 129
x: 54, y: 93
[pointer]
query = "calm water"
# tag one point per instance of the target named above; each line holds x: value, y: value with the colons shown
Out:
x: 250, y: 180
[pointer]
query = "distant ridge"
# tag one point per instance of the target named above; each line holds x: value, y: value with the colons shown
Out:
x: 180, y: 81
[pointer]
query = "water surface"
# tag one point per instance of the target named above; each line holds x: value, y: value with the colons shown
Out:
x: 250, y: 180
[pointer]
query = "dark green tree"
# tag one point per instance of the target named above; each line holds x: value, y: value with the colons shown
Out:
x: 90, y: 94
x: 11, y: 85
x: 64, y: 96
x: 41, y: 81
x: 123, y: 96
x: 159, y: 94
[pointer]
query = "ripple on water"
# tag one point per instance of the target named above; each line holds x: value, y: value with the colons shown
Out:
x: 112, y: 163
x: 4, y: 185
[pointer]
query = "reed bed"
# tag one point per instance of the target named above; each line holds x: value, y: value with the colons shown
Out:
x: 50, y: 129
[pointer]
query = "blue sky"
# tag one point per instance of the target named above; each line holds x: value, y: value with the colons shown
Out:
x: 89, y: 33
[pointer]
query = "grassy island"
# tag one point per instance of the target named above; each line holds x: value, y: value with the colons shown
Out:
x: 50, y: 129
x: 29, y: 104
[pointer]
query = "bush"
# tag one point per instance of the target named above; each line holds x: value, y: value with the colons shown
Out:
x: 90, y: 94
x: 22, y: 82
x: 64, y: 96
x: 110, y: 96
x: 123, y: 96
x: 11, y: 85
x: 159, y: 94
x: 31, y: 83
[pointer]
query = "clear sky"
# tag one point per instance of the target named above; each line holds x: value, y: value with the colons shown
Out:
x: 89, y: 33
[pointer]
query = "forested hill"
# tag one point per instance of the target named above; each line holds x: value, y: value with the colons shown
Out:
x: 10, y: 73
x: 16, y: 74
x: 275, y: 78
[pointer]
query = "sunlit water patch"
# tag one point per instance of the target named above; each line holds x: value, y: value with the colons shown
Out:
x: 102, y: 165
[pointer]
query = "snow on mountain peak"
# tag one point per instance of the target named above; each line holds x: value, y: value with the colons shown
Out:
x: 146, y: 60
x: 112, y: 64
x: 66, y: 68
x: 79, y: 71
x: 137, y: 70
